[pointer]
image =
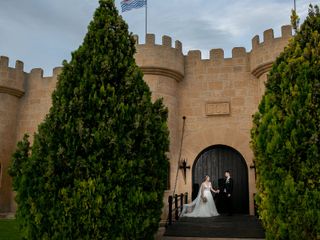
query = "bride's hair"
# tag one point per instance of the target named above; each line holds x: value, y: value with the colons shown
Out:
x: 205, y: 178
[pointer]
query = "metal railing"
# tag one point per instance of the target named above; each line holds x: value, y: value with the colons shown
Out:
x: 175, y: 206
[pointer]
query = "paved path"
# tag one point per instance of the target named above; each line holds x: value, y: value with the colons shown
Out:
x: 221, y: 227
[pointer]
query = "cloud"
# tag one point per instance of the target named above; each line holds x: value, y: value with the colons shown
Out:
x: 204, y: 25
x: 68, y: 17
x: 44, y: 32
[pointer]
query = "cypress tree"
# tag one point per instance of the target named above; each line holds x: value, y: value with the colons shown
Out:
x: 97, y: 167
x: 285, y: 138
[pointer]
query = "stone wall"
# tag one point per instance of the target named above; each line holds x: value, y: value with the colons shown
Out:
x: 217, y: 96
x: 25, y: 99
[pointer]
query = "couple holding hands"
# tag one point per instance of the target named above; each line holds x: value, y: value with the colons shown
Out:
x: 204, y: 205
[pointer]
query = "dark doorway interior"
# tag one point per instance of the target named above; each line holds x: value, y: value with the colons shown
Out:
x: 213, y: 161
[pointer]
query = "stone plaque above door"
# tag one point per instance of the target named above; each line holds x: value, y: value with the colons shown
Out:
x: 217, y: 108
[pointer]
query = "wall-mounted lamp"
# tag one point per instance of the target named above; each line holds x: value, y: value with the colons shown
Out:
x: 183, y: 166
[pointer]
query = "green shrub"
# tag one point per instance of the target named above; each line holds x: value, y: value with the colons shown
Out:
x: 97, y: 168
x: 285, y: 139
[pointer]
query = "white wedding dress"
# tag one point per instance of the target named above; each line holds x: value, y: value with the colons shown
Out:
x: 199, y: 208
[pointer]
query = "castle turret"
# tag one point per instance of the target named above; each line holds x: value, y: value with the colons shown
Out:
x: 264, y: 53
x: 11, y: 90
x: 163, y: 67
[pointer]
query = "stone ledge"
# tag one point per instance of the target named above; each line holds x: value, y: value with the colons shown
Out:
x: 162, y: 72
x: 11, y: 91
x: 261, y: 69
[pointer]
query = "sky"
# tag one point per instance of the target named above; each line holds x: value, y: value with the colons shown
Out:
x: 42, y: 33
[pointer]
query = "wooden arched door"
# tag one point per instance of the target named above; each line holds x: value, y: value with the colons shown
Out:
x: 214, y: 161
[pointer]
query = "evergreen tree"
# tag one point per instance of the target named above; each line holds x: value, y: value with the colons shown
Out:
x: 97, y: 168
x: 285, y: 139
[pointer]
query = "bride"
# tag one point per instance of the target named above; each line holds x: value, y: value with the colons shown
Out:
x: 203, y: 205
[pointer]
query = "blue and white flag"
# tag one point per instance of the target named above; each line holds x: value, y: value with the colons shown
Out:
x: 127, y: 5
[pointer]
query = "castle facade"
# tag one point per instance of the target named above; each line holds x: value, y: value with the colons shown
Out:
x: 217, y: 97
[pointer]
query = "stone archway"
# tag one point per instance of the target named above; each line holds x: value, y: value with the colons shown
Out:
x: 213, y: 161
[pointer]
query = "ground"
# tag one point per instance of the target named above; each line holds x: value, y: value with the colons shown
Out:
x: 9, y: 229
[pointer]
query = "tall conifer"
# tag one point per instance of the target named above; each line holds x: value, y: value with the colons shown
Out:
x: 285, y: 139
x: 97, y: 167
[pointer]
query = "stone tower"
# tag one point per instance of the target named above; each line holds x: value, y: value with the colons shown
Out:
x: 25, y: 99
x: 163, y: 68
x: 11, y: 91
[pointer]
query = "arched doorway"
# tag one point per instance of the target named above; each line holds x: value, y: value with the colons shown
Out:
x: 213, y: 161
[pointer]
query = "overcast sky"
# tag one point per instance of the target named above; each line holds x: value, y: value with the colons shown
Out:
x: 42, y: 33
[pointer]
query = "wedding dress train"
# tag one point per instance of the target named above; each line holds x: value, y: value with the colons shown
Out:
x: 199, y: 208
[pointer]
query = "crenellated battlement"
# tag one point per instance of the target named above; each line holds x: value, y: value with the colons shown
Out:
x: 19, y: 68
x: 11, y: 79
x: 269, y: 39
x: 167, y: 59
x: 150, y: 40
x: 264, y: 53
x: 4, y: 64
x: 217, y: 54
x: 160, y: 59
x: 38, y: 72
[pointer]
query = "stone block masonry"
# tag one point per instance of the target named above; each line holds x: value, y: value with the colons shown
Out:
x: 217, y: 95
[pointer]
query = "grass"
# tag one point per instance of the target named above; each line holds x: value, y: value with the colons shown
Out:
x: 9, y: 229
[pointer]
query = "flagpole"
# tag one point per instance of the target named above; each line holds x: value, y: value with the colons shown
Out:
x: 146, y: 18
x: 294, y: 5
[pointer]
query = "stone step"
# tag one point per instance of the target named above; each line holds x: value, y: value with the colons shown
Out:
x: 197, y: 238
x: 221, y: 227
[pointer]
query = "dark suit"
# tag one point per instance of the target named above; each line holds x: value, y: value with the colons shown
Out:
x: 228, y: 189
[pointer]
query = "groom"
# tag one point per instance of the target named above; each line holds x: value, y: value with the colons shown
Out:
x: 227, y: 190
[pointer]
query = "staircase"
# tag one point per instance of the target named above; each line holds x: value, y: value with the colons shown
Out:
x: 221, y: 227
